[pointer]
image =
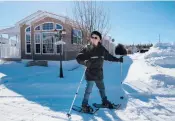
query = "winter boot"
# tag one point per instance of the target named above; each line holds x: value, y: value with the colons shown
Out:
x: 107, y: 103
x: 87, y: 108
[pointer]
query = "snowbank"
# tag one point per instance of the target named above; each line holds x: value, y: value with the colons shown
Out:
x: 162, y: 54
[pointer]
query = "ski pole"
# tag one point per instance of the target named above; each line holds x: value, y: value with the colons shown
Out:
x: 69, y: 113
x: 121, y: 75
x: 121, y: 72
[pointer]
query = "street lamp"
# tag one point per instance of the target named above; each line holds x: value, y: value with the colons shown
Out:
x: 59, y: 35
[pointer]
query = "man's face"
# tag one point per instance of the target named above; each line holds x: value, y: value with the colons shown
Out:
x: 95, y: 39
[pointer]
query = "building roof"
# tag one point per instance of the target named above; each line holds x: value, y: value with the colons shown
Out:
x: 4, y: 40
x: 11, y: 31
x: 38, y: 16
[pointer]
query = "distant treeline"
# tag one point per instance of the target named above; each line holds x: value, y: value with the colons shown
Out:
x: 139, y: 46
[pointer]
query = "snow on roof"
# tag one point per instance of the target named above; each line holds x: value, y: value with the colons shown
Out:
x: 11, y: 31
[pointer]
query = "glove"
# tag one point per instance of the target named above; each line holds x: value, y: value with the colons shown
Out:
x: 87, y: 63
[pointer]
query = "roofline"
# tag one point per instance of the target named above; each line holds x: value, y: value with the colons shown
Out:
x: 28, y: 17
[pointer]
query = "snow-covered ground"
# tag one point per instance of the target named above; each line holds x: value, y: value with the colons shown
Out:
x: 38, y: 94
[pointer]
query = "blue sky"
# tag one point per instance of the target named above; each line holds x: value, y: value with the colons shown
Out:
x: 131, y: 22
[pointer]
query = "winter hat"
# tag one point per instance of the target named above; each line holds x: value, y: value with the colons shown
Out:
x: 97, y: 33
x: 120, y: 50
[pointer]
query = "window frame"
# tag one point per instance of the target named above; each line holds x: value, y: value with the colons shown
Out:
x: 77, y: 36
x: 43, y: 44
x: 37, y: 43
x: 28, y: 33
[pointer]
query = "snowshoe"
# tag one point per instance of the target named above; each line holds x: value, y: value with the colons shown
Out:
x: 112, y: 106
x: 85, y: 110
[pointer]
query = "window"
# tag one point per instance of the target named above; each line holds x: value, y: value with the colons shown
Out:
x: 37, y: 28
x: 58, y: 48
x: 28, y: 29
x: 28, y: 40
x: 28, y: 43
x: 37, y: 43
x: 59, y: 27
x: 77, y: 36
x: 48, y: 43
x: 48, y: 26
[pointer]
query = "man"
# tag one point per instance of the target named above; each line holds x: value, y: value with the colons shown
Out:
x: 92, y: 56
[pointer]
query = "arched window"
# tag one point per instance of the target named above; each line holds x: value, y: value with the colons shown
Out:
x: 28, y: 29
x: 59, y: 27
x: 37, y: 28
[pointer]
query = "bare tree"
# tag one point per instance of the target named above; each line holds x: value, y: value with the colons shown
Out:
x: 90, y: 16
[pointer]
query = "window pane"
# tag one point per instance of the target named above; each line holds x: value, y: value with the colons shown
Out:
x: 47, y: 37
x: 77, y: 36
x: 48, y: 26
x: 28, y: 38
x: 48, y: 43
x: 37, y: 38
x: 28, y: 29
x: 37, y: 47
x: 58, y: 48
x: 75, y: 32
x: 74, y: 39
x: 28, y: 48
x: 37, y: 28
x: 79, y: 33
x: 59, y: 26
x: 48, y: 48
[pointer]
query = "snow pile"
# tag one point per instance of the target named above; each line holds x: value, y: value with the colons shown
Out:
x: 162, y: 54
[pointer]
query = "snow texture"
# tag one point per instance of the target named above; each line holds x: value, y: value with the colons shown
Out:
x: 38, y: 94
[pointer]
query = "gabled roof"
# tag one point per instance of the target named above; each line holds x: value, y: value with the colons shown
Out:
x: 28, y: 17
x: 38, y: 16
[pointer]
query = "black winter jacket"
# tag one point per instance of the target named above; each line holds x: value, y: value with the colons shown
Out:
x: 93, y: 57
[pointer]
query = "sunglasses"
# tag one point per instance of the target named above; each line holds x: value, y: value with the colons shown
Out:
x: 94, y: 37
